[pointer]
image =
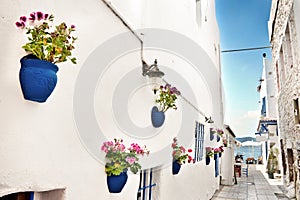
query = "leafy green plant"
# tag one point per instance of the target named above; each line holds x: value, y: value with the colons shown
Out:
x: 167, y: 97
x: 272, y: 164
x: 120, y: 159
x: 209, y: 151
x: 46, y: 41
x: 179, y: 153
x: 218, y: 131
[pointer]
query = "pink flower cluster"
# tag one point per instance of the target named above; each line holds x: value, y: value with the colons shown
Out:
x: 130, y: 160
x: 220, y: 132
x: 173, y: 90
x: 218, y: 149
x: 134, y: 147
x: 179, y: 152
x: 32, y: 17
x: 35, y: 16
x: 115, y: 146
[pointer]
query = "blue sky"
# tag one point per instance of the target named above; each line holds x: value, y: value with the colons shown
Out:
x: 242, y: 24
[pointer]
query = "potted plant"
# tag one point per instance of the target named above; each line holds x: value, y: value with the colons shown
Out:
x: 219, y: 133
x: 166, y: 99
x: 209, y: 154
x: 272, y: 164
x: 119, y: 160
x: 180, y: 156
x: 218, y: 152
x: 47, y: 45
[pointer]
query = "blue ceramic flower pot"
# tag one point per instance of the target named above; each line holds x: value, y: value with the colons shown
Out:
x: 207, y: 160
x: 115, y: 183
x: 220, y: 155
x: 37, y: 78
x: 211, y: 136
x: 218, y: 138
x: 157, y: 117
x: 176, y: 167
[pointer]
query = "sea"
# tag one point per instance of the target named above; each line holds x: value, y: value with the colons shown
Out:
x: 248, y: 151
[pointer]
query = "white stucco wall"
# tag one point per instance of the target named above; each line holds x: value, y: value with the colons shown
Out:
x: 41, y: 145
x: 269, y: 85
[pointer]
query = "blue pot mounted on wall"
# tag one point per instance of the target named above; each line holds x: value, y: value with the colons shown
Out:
x: 218, y: 138
x: 207, y: 160
x: 175, y: 167
x: 157, y: 117
x: 116, y: 183
x: 211, y: 136
x: 37, y: 78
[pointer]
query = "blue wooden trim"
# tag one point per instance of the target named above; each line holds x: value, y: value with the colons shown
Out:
x: 31, y: 197
x: 264, y: 127
x: 148, y: 186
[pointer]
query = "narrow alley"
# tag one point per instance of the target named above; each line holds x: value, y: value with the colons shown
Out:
x: 253, y: 187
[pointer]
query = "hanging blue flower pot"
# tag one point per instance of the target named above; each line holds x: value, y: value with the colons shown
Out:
x: 176, y: 167
x: 207, y: 160
x: 211, y: 136
x: 37, y: 78
x: 157, y: 117
x: 220, y: 155
x: 115, y: 183
x: 218, y: 138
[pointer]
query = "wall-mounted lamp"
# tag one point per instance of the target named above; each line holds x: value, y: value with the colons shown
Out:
x: 154, y: 74
x: 209, y: 120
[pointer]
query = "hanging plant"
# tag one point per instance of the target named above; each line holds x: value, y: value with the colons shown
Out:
x: 180, y: 156
x: 166, y: 99
x: 47, y: 45
x: 119, y: 160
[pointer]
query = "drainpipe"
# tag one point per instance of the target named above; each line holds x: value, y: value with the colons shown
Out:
x: 117, y: 14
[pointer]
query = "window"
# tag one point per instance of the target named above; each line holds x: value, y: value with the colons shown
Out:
x: 283, y: 157
x: 198, y: 12
x: 296, y: 111
x: 282, y: 67
x: 277, y: 77
x: 288, y: 47
x: 199, y: 140
x: 290, y: 159
x: 19, y: 196
x: 146, y: 185
x: 263, y: 107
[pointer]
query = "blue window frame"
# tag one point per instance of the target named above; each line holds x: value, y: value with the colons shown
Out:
x: 263, y: 107
x: 199, y: 141
x: 145, y: 186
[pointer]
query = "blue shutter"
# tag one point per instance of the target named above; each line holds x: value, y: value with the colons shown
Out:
x: 31, y: 196
x: 217, y: 166
x: 199, y: 141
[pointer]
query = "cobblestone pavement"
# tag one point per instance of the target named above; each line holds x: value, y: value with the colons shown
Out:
x: 253, y: 187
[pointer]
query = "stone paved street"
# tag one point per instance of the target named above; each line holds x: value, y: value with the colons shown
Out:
x: 253, y: 187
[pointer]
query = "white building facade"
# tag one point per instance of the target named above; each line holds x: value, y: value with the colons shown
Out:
x: 267, y: 131
x: 52, y: 150
x: 284, y: 36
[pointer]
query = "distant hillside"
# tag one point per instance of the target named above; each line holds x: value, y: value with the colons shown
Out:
x: 245, y: 139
